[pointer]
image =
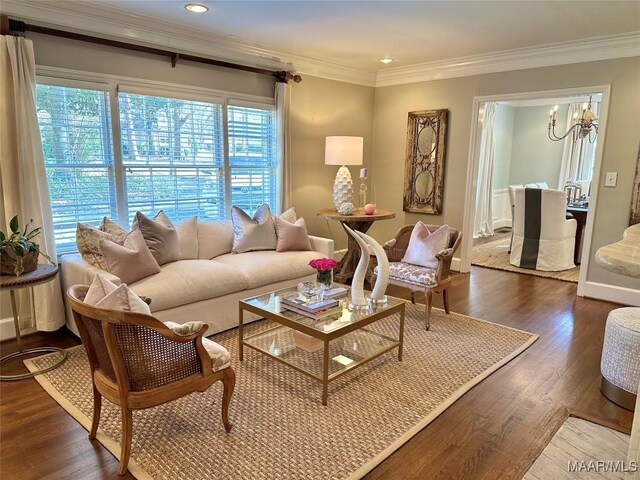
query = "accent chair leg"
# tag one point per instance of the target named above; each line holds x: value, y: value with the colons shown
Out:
x: 229, y: 382
x: 428, y: 296
x: 125, y: 451
x: 413, y: 297
x: 97, y: 408
x: 445, y: 300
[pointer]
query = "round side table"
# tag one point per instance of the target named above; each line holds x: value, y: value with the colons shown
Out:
x: 42, y: 274
x: 358, y: 221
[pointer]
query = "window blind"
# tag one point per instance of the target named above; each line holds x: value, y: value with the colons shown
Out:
x: 173, y: 156
x: 75, y: 128
x: 253, y: 158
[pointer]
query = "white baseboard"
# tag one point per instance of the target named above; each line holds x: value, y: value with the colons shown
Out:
x: 455, y: 264
x: 8, y: 331
x: 505, y: 222
x: 612, y: 293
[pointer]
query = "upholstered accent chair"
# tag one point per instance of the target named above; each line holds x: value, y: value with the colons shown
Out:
x: 421, y: 279
x: 139, y: 362
x: 543, y: 238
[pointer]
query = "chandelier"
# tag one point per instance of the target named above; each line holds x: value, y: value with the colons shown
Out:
x: 581, y: 128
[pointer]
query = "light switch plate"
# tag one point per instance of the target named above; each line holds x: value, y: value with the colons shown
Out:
x: 611, y: 179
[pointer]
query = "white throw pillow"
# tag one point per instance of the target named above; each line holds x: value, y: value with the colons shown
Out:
x: 105, y: 294
x: 99, y: 288
x: 424, y: 245
x: 251, y: 234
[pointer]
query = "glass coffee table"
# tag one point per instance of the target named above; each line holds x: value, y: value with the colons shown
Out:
x: 324, y: 348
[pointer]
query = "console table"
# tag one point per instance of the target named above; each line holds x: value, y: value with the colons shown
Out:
x: 357, y: 221
x: 42, y: 274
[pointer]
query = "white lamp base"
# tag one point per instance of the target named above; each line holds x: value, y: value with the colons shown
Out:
x: 342, y: 187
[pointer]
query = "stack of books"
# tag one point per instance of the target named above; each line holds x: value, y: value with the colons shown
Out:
x: 313, y: 308
x: 336, y: 291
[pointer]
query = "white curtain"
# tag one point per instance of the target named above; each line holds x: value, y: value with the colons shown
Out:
x: 283, y: 109
x: 578, y: 157
x: 483, y: 222
x: 23, y: 180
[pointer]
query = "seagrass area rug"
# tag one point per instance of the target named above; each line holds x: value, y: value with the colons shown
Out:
x: 280, y: 428
x: 495, y: 255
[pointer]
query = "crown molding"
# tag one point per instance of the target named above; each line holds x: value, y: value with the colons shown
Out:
x: 116, y: 24
x: 112, y: 23
x: 587, y: 50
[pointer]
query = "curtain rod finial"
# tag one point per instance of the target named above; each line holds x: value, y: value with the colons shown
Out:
x: 284, y: 76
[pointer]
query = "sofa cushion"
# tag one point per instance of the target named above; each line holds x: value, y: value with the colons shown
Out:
x: 188, y: 238
x: 266, y: 267
x: 188, y: 281
x: 214, y: 238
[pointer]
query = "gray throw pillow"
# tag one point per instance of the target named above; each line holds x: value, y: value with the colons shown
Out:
x: 160, y: 236
x: 250, y: 234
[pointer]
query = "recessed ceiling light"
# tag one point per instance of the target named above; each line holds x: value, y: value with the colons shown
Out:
x: 196, y: 8
x: 386, y: 60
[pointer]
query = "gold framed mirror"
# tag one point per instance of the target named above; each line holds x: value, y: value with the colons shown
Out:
x: 425, y: 161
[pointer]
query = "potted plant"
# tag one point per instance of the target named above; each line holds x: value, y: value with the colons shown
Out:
x: 18, y: 252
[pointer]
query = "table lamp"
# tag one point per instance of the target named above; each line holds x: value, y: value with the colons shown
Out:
x: 340, y: 150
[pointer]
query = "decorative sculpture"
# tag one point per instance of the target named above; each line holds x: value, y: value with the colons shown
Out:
x: 377, y: 297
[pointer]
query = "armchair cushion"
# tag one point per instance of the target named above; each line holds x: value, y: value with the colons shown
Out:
x: 413, y: 274
x: 424, y: 245
x: 220, y: 356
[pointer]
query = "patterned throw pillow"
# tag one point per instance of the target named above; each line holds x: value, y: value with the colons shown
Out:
x: 88, y: 240
x: 250, y: 234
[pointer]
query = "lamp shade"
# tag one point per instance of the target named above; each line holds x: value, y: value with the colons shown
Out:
x: 343, y: 151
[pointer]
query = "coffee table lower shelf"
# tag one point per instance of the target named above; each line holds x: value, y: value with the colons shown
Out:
x: 345, y: 353
x: 323, y: 349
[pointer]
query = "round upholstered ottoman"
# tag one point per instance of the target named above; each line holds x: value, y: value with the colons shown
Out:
x: 620, y: 365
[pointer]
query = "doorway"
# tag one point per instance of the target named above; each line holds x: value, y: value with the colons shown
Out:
x: 526, y: 156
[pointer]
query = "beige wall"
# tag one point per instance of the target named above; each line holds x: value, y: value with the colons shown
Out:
x: 535, y: 158
x: 320, y: 108
x: 456, y: 94
x: 89, y: 57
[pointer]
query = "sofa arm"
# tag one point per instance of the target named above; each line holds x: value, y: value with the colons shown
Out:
x: 76, y: 271
x: 322, y: 245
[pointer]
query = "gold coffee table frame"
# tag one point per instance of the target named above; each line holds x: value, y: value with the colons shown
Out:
x: 44, y: 273
x: 274, y: 311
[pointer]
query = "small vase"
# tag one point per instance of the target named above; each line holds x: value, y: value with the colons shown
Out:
x: 325, y: 277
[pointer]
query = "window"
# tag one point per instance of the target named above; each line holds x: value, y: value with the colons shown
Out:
x: 252, y: 157
x: 171, y: 156
x: 75, y: 128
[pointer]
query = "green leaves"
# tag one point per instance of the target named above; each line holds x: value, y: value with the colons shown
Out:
x: 13, y: 225
x: 22, y: 242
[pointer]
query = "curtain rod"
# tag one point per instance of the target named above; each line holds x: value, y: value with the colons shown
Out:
x: 10, y: 26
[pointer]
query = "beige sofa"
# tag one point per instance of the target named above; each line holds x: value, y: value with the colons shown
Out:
x: 208, y: 288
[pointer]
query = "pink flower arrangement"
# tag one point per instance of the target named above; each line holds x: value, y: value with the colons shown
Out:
x: 323, y: 264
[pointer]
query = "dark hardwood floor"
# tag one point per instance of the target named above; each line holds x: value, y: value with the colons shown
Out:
x: 495, y: 431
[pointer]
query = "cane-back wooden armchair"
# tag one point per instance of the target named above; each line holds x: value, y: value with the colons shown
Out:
x: 421, y: 279
x: 139, y: 362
